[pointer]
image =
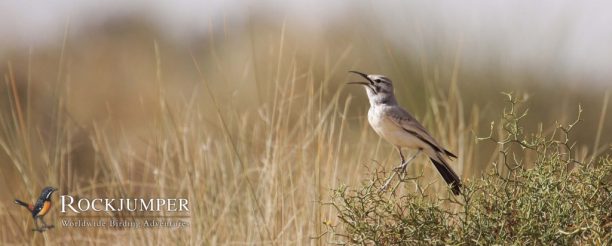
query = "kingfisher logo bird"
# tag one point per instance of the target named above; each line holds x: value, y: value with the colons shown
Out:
x: 40, y: 208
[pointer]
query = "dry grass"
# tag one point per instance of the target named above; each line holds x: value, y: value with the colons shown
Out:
x: 254, y: 129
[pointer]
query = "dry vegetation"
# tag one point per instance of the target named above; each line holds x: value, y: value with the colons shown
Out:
x: 535, y: 193
x: 254, y: 126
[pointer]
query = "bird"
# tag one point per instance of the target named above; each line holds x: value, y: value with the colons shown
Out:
x: 398, y: 127
x: 40, y: 208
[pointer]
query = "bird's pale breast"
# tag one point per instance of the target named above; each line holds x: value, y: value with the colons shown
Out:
x: 391, y: 131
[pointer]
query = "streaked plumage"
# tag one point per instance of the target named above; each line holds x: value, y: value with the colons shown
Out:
x: 401, y: 129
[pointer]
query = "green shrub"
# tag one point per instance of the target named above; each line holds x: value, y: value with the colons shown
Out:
x: 537, y: 193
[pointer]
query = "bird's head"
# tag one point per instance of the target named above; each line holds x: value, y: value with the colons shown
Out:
x: 378, y: 87
x: 47, y: 192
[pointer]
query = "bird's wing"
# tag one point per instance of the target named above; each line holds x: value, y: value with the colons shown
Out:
x: 407, y: 122
x: 38, y: 206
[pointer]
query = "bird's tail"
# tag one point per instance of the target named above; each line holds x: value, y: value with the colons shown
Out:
x: 448, y: 174
x: 22, y: 203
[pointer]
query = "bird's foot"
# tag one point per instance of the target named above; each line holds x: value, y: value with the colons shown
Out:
x: 401, y: 169
x: 39, y: 229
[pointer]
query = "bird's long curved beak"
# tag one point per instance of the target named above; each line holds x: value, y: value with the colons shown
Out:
x: 365, y: 76
x: 358, y: 83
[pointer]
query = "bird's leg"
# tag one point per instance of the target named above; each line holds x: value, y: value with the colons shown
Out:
x: 38, y: 229
x: 403, y: 160
x: 45, y: 224
x: 402, y: 168
x: 399, y: 150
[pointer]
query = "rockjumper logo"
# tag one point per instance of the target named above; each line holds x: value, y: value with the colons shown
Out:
x: 39, y: 208
x: 96, y: 212
x: 121, y: 213
x: 68, y: 203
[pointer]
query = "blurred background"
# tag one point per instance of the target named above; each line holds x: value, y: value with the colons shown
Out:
x: 551, y: 49
x: 102, y: 85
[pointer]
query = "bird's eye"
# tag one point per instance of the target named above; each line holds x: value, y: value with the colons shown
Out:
x: 377, y: 80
